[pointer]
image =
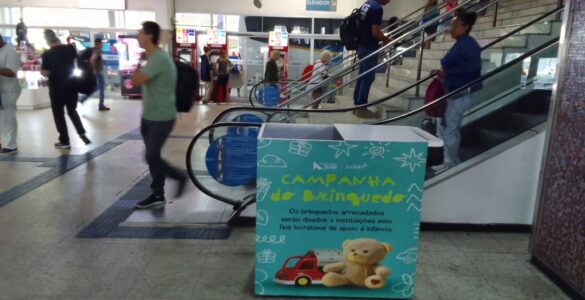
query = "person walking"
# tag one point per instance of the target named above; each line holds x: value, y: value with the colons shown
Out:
x: 460, y: 66
x: 97, y: 64
x: 9, y: 93
x: 371, y: 14
x: 158, y: 79
x: 319, y: 77
x: 58, y: 64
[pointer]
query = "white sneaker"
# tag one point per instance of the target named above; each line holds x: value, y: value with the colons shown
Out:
x: 442, y: 167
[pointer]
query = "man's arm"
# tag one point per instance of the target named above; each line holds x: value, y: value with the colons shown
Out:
x: 7, y: 73
x: 12, y: 66
x: 139, y: 78
x: 379, y: 35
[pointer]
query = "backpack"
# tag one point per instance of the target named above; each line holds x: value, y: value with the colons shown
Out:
x: 349, y: 31
x: 307, y: 73
x: 86, y: 83
x: 187, y: 86
x: 434, y: 92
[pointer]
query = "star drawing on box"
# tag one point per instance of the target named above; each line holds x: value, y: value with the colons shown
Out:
x: 412, y: 160
x: 342, y: 148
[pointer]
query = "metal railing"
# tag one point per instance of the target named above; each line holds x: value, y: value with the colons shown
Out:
x: 385, y: 98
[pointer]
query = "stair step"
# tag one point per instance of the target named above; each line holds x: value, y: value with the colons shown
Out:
x: 537, y: 10
x: 493, y: 137
x: 521, y: 4
x: 513, y: 41
x: 496, y: 32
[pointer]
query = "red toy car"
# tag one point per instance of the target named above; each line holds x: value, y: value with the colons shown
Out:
x: 307, y: 269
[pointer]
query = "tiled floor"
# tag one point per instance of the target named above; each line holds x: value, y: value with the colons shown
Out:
x: 40, y: 258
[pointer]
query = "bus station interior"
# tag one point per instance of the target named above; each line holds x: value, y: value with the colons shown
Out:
x: 506, y: 223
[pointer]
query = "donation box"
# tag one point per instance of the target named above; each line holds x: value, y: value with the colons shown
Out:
x: 338, y: 210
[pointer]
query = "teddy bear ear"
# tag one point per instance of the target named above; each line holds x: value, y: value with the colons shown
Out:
x: 346, y: 242
x: 388, y: 247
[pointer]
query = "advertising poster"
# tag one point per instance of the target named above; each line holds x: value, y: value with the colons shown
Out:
x: 321, y: 5
x: 186, y: 35
x: 278, y: 39
x: 216, y: 37
x: 338, y: 218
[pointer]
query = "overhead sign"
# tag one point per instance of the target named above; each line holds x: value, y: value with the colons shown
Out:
x: 216, y: 37
x: 186, y: 35
x: 103, y: 4
x: 278, y: 39
x: 322, y: 5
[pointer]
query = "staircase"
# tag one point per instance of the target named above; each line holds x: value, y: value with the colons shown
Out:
x: 512, y: 14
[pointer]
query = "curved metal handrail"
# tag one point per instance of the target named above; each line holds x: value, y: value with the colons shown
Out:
x: 190, y: 169
x: 470, y: 84
x: 432, y: 104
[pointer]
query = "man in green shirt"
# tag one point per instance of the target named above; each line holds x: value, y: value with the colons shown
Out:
x: 158, y: 79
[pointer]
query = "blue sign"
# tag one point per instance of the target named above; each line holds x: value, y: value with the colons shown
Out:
x: 268, y: 95
x: 322, y: 5
x: 338, y: 218
x: 231, y: 159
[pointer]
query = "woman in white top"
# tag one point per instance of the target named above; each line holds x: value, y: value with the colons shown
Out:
x: 319, y: 75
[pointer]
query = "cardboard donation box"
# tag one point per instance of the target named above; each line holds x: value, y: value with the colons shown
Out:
x: 338, y: 210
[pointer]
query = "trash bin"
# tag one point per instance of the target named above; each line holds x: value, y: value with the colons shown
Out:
x: 338, y: 209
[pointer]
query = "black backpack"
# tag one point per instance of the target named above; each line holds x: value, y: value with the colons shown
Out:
x: 86, y: 83
x: 187, y: 86
x: 349, y: 31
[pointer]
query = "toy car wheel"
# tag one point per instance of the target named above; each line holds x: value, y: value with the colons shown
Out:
x: 303, y: 281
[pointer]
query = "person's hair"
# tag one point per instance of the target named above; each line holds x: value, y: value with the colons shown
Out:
x: 49, y: 34
x: 206, y: 49
x: 430, y: 4
x: 326, y: 56
x: 467, y: 18
x: 275, y: 54
x: 152, y: 29
x: 98, y: 40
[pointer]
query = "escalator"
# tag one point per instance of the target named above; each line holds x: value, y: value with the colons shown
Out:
x: 406, y: 38
x: 221, y: 158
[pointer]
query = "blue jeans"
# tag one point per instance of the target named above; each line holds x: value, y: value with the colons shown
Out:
x: 363, y: 84
x: 450, y: 129
x: 101, y: 87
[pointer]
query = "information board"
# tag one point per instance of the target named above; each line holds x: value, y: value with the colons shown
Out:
x: 216, y: 36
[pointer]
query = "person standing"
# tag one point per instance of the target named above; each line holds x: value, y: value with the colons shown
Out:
x: 21, y: 32
x: 158, y: 79
x: 97, y: 64
x: 271, y: 72
x: 9, y: 92
x: 223, y: 66
x: 58, y: 64
x: 205, y: 71
x: 460, y: 66
x: 371, y: 14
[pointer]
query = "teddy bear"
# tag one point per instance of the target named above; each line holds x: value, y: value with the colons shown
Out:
x: 361, y: 266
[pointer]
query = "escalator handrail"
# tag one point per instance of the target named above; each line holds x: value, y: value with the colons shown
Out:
x: 255, y: 87
x: 487, y: 46
x: 388, y: 34
x: 436, y: 102
x: 190, y: 168
x: 388, y: 47
x: 406, y: 36
x: 470, y: 84
x: 385, y: 98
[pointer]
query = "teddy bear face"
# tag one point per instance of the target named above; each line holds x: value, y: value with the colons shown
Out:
x: 365, y: 252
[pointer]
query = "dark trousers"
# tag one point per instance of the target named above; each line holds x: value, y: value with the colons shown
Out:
x: 61, y: 98
x: 363, y: 84
x: 155, y: 134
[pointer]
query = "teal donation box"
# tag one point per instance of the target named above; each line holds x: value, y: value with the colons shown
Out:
x: 338, y: 210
